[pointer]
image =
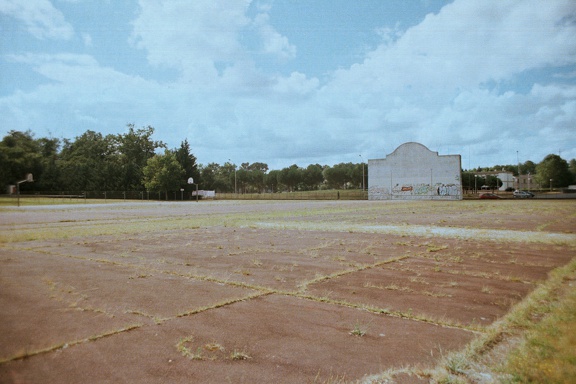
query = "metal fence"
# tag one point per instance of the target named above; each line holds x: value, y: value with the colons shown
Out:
x: 80, y: 196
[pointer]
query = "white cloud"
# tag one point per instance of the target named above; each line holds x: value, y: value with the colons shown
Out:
x: 273, y: 42
x: 467, y: 43
x: 427, y: 84
x: 87, y: 39
x: 297, y: 84
x: 42, y: 20
x: 191, y: 36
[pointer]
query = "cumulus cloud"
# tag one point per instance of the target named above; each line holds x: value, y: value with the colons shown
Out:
x: 444, y: 82
x: 191, y: 36
x: 429, y: 83
x: 40, y: 17
x: 273, y: 42
x: 468, y: 43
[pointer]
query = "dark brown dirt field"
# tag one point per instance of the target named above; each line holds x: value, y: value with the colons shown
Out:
x: 263, y: 291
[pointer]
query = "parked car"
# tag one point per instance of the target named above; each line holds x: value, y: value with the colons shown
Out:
x: 489, y: 196
x: 523, y: 194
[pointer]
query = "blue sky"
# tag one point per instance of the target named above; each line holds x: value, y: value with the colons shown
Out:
x: 297, y: 82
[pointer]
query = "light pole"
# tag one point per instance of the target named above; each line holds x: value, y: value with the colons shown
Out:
x: 475, y: 184
x: 230, y: 161
x: 551, y: 185
x: 363, y: 177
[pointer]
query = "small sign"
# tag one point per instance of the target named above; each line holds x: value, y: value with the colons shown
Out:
x: 190, y: 181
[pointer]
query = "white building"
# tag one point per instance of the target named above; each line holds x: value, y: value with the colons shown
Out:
x: 413, y: 172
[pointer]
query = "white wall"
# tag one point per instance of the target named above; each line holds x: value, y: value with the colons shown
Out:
x: 412, y: 171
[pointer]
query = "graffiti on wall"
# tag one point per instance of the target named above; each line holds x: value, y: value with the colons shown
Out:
x: 427, y: 190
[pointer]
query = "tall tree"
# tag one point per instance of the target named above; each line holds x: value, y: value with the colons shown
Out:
x: 188, y: 162
x: 20, y: 154
x: 163, y: 173
x: 271, y: 180
x: 89, y: 163
x: 554, y: 168
x: 290, y: 176
x: 312, y: 176
x: 135, y: 148
x: 339, y: 175
x: 49, y: 179
x: 528, y: 167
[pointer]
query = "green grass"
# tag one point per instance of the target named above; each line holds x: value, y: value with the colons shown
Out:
x: 548, y: 353
x: 534, y: 343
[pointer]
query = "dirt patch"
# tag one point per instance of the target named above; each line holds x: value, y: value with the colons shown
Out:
x: 261, y: 291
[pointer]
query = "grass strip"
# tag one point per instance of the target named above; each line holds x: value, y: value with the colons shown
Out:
x: 68, y: 344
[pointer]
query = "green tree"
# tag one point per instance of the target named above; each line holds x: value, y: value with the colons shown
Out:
x: 312, y: 177
x: 339, y: 175
x: 49, y: 179
x: 528, y: 167
x: 163, y: 173
x: 188, y: 162
x: 554, y: 168
x: 572, y: 168
x: 135, y: 148
x: 217, y: 177
x: 271, y: 181
x: 290, y: 177
x: 20, y: 154
x: 89, y: 163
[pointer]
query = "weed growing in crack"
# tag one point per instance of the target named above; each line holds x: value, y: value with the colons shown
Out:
x: 358, y: 330
x: 486, y: 289
x: 183, y: 349
x: 239, y: 355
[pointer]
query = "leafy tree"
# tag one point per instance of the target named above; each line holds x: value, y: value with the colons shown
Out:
x: 20, y: 154
x: 216, y: 177
x: 250, y: 177
x: 555, y: 168
x: 572, y: 168
x: 163, y: 173
x: 271, y: 180
x: 290, y: 177
x: 89, y: 163
x: 135, y: 148
x: 339, y: 175
x: 528, y: 167
x: 242, y: 179
x: 312, y: 177
x: 507, y: 168
x: 49, y: 179
x: 188, y: 162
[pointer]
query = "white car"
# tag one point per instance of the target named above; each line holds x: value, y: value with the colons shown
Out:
x: 522, y: 194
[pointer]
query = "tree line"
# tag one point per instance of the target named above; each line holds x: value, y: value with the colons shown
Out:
x: 552, y: 167
x: 134, y: 161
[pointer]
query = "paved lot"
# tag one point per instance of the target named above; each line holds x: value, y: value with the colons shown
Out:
x: 248, y: 292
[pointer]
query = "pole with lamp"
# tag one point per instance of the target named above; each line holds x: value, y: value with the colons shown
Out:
x: 230, y: 161
x: 475, y: 184
x: 30, y: 179
x: 551, y: 184
x: 363, y: 176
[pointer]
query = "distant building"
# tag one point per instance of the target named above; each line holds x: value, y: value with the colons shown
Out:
x: 506, y: 178
x: 526, y: 183
x: 413, y: 172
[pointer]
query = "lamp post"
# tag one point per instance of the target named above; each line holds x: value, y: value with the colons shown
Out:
x: 475, y: 184
x: 234, y: 175
x: 363, y: 177
x: 551, y: 185
x: 30, y: 179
